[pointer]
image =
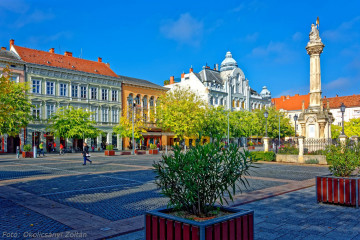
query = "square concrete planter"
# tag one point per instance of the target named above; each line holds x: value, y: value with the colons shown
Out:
x: 153, y: 151
x: 251, y: 148
x: 160, y: 225
x: 109, y: 153
x: 27, y: 154
x: 338, y: 190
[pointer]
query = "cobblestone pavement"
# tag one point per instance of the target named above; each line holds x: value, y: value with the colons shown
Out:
x: 112, y: 194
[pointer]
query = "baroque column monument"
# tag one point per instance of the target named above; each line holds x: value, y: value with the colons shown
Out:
x: 316, y: 120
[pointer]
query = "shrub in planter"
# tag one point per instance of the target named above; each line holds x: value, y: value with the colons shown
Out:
x: 109, y: 150
x: 263, y: 156
x: 288, y: 149
x: 153, y: 149
x: 194, y: 181
x: 27, y: 153
x: 251, y: 145
x: 341, y: 187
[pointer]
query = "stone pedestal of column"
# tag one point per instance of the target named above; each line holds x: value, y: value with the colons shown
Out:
x: 119, y: 142
x: 98, y: 142
x: 69, y: 143
x: 301, y: 149
x: 266, y: 143
x: 343, y: 139
x: 109, y: 138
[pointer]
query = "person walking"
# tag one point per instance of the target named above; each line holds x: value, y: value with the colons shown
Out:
x: 54, y: 146
x: 61, y: 149
x: 41, y: 147
x: 85, y: 154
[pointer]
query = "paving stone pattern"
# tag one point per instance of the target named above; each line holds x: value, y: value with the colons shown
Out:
x: 20, y: 220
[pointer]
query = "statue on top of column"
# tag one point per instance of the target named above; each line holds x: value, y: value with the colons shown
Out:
x: 314, y: 33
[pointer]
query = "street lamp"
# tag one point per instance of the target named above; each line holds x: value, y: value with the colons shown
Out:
x: 228, y: 133
x: 133, y: 137
x: 266, y: 115
x: 295, y: 119
x: 342, y: 109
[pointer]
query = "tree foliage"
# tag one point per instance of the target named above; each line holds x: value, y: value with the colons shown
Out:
x: 69, y: 122
x: 182, y: 112
x: 335, y: 131
x: 215, y: 122
x: 15, y: 107
x: 243, y: 124
x: 352, y: 127
x: 124, y: 128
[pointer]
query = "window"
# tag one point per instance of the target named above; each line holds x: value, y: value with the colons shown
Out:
x: 115, y: 115
x: 14, y: 78
x: 36, y: 86
x: 114, y: 95
x: 216, y: 101
x: 151, y: 102
x: 63, y: 89
x: 36, y: 112
x: 50, y: 86
x: 105, y: 112
x: 137, y: 100
x: 83, y: 92
x: 50, y: 110
x: 145, y: 102
x: 74, y: 91
x: 95, y: 115
x: 93, y: 93
x: 104, y: 94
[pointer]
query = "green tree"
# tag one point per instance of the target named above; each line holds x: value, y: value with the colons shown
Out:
x: 69, y: 122
x: 215, y: 122
x: 243, y: 124
x: 15, y: 107
x: 352, y: 127
x: 124, y: 128
x: 286, y: 129
x: 335, y: 131
x: 182, y: 112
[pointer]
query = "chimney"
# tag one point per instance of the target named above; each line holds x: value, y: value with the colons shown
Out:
x: 207, y: 67
x: 288, y: 97
x: 52, y: 50
x: 68, y: 54
x: 12, y: 42
x: 3, y: 48
x: 108, y: 64
x: 217, y: 67
x: 297, y: 94
x: 182, y: 75
x: 99, y: 59
x: 337, y: 95
x: 283, y: 98
x: 191, y: 69
x: 172, y: 81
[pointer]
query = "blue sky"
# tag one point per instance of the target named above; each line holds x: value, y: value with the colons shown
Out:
x: 154, y: 40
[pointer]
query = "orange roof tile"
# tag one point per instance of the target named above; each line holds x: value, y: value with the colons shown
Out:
x: 295, y: 102
x: 56, y: 60
x: 349, y: 101
x: 291, y: 103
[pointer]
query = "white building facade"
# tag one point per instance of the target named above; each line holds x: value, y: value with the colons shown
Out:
x: 227, y: 87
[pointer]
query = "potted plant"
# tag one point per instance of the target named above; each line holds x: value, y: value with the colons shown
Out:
x: 27, y: 153
x: 194, y: 181
x: 109, y: 150
x: 251, y: 145
x: 342, y: 185
x: 153, y: 149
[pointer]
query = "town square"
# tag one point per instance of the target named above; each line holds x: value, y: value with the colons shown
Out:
x: 188, y: 120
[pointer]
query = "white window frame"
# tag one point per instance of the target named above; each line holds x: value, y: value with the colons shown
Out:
x: 104, y: 94
x: 37, y: 87
x: 50, y: 88
x: 115, y: 115
x: 105, y: 115
x: 114, y: 95
x: 83, y: 91
x: 63, y: 89
x: 75, y: 88
x: 93, y: 93
x: 37, y: 109
x: 50, y: 110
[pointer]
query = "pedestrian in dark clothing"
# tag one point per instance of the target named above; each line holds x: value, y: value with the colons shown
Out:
x: 86, y: 154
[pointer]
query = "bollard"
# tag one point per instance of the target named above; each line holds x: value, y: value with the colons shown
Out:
x: 18, y: 151
x: 34, y: 152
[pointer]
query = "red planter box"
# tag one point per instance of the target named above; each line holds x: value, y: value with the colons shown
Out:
x: 153, y: 151
x: 109, y: 153
x: 237, y: 226
x: 125, y: 153
x: 338, y: 190
x: 27, y: 154
x: 251, y: 147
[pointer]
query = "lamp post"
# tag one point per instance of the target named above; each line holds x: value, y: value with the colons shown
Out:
x: 342, y: 109
x: 228, y: 133
x: 295, y: 119
x: 133, y: 137
x: 266, y: 115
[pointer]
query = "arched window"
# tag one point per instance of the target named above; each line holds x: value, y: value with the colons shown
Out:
x: 233, y: 103
x: 151, y: 101
x: 211, y: 101
x: 221, y: 101
x: 238, y: 104
x: 144, y: 101
x: 137, y: 99
x: 130, y: 100
x: 243, y: 105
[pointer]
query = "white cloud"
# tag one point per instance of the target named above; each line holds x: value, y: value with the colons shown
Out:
x: 297, y: 36
x: 185, y: 30
x: 16, y: 6
x: 34, y: 40
x: 252, y: 6
x: 347, y: 31
x: 338, y: 83
x: 34, y: 17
